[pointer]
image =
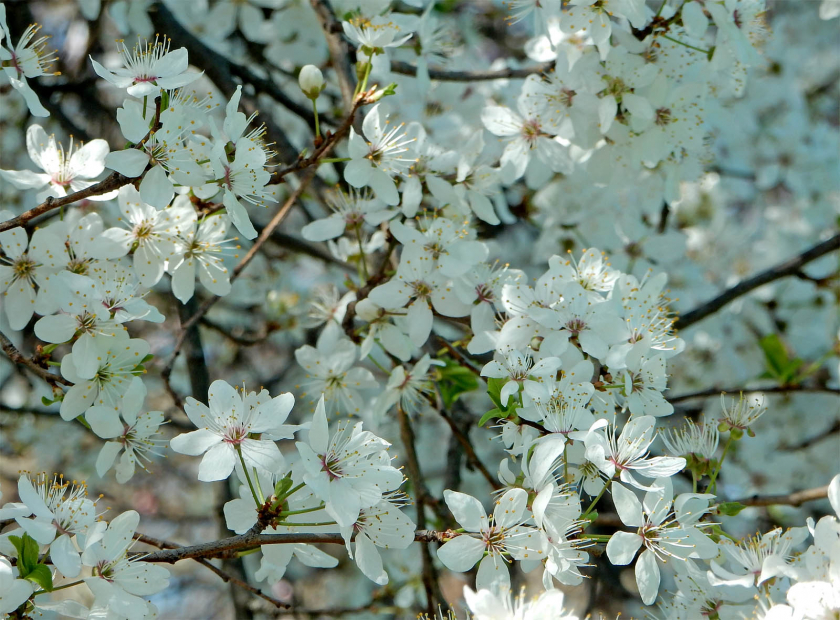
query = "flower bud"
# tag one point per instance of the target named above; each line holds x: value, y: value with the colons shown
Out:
x: 311, y: 81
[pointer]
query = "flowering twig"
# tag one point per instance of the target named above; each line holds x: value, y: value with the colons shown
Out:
x: 113, y: 181
x: 782, y: 270
x: 228, y: 547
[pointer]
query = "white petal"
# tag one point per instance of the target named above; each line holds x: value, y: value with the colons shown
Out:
x: 461, y: 553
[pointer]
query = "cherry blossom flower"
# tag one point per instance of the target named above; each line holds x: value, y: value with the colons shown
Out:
x: 331, y: 374
x: 201, y: 249
x: 102, y: 375
x: 349, y: 471
x: 503, y: 537
x: 382, y: 525
x: 517, y: 368
x: 60, y: 509
x: 148, y: 67
x: 151, y: 233
x: 13, y: 591
x: 136, y: 443
x: 376, y: 160
x: 30, y: 58
x: 22, y: 269
x: 225, y: 429
x: 64, y: 172
x: 420, y: 287
x: 659, y: 533
x: 628, y: 453
x: 118, y: 581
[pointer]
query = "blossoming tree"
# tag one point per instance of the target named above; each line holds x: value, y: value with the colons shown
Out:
x: 473, y: 277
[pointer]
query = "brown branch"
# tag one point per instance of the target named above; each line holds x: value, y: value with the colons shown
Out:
x: 113, y: 181
x: 473, y: 76
x: 797, y: 498
x: 230, y: 547
x: 21, y: 360
x: 464, y: 440
x: 782, y: 270
x: 430, y: 582
x: 339, y: 52
x: 164, y: 544
x: 773, y: 389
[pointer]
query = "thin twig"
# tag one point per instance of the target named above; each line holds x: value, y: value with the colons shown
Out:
x: 339, y: 52
x: 229, y: 547
x: 164, y: 544
x: 20, y: 359
x: 797, y: 498
x: 773, y: 389
x: 782, y: 270
x: 433, y: 596
x: 473, y: 76
x: 113, y: 181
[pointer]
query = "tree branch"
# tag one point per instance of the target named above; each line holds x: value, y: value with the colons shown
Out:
x: 797, y: 498
x: 339, y: 52
x: 229, y: 547
x: 782, y: 270
x: 21, y: 360
x: 472, y: 76
x: 433, y: 596
x: 773, y: 389
x: 113, y: 181
x: 164, y: 544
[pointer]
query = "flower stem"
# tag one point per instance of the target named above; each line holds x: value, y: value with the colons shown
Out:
x: 248, y: 476
x: 595, y: 501
x: 306, y: 524
x: 317, y: 124
x: 598, y: 537
x: 713, y: 479
x: 696, y: 49
x: 287, y: 513
x: 259, y: 487
x: 363, y: 272
x: 333, y: 160
x: 64, y: 587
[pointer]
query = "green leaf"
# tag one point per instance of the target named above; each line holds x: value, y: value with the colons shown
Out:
x: 149, y: 357
x: 41, y: 575
x: 730, y: 509
x: 28, y: 552
x: 454, y: 381
x: 775, y: 356
x: 494, y: 390
x: 493, y: 413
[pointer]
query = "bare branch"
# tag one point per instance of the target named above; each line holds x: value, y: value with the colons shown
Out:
x: 339, y: 52
x: 430, y: 584
x: 20, y: 359
x: 773, y: 389
x: 472, y: 76
x: 782, y: 270
x: 164, y: 544
x: 797, y: 498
